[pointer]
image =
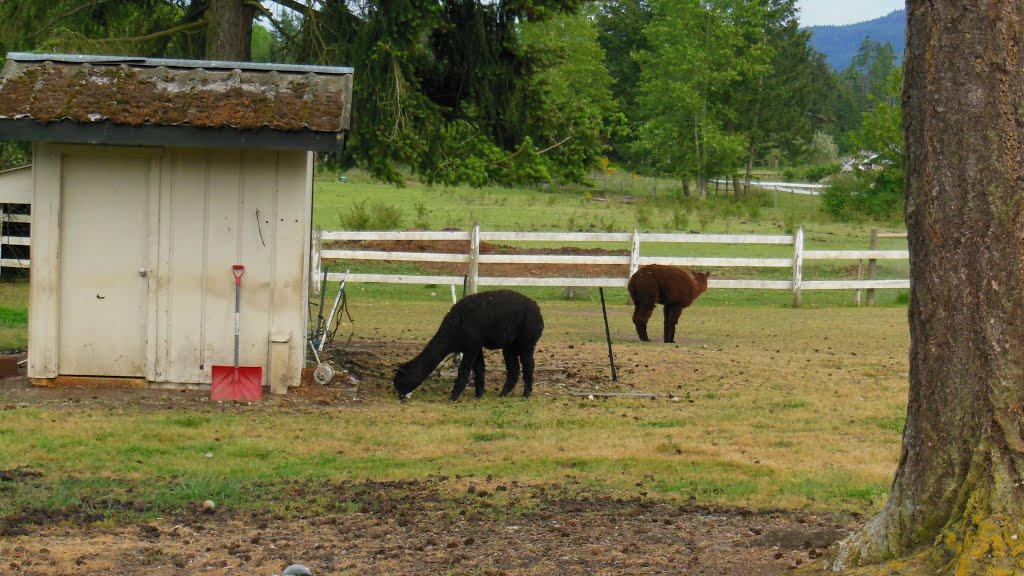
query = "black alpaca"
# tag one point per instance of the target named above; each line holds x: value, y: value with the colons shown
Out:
x: 499, y: 319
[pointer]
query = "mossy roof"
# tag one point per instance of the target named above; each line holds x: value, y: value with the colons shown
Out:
x: 128, y: 91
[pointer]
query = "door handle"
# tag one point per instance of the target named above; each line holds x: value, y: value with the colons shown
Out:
x: 143, y: 272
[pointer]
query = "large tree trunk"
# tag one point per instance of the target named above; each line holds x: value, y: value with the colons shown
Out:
x: 957, y: 502
x: 229, y: 30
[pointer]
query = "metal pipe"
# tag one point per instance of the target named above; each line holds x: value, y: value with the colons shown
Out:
x: 608, y: 336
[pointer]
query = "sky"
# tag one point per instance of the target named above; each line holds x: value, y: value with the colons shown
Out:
x: 839, y: 12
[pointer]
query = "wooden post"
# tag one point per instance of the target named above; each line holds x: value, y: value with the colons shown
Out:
x: 634, y: 253
x: 872, y: 266
x: 5, y: 231
x: 315, y: 260
x: 860, y: 276
x: 474, y: 259
x: 798, y: 266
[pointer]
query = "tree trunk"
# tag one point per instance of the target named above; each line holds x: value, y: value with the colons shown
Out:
x: 229, y: 30
x: 957, y: 502
x: 752, y: 147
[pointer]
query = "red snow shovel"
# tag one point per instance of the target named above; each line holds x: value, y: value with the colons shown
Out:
x: 237, y: 382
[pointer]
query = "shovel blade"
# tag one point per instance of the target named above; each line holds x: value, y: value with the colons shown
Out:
x: 244, y: 383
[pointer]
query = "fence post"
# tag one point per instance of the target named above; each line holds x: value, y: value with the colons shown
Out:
x: 798, y: 266
x: 872, y: 266
x: 634, y: 253
x: 474, y: 259
x: 315, y: 262
x: 5, y: 231
x: 860, y: 276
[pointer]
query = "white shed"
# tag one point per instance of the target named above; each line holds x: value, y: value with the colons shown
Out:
x: 16, y: 185
x: 151, y: 178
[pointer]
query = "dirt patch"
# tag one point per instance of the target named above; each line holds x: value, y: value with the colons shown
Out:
x: 437, y: 525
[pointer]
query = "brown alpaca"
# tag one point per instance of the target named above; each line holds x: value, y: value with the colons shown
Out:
x: 674, y: 288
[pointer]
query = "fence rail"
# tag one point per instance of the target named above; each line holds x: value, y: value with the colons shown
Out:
x: 473, y: 258
x: 6, y: 239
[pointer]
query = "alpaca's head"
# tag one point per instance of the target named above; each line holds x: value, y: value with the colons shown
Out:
x: 406, y: 380
x: 702, y: 281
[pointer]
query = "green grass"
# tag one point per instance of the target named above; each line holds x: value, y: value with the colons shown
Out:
x: 13, y: 315
x: 535, y: 209
x: 782, y: 408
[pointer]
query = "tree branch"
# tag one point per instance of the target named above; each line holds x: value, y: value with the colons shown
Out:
x: 555, y: 145
x: 539, y: 152
x: 154, y: 35
x: 293, y: 5
x: 67, y: 14
x: 270, y: 16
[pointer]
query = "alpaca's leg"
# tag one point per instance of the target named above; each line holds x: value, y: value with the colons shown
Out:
x: 478, y: 374
x: 641, y: 314
x: 511, y: 370
x: 526, y: 357
x: 462, y: 379
x: 672, y: 312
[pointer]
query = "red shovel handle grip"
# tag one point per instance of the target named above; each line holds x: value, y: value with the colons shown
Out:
x: 238, y: 270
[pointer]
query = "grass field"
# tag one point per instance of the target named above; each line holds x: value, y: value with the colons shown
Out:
x: 773, y: 407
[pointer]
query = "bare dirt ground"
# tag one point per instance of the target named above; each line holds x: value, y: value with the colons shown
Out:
x: 405, y: 528
x: 429, y: 526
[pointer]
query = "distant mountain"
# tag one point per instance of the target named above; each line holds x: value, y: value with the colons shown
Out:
x: 840, y: 43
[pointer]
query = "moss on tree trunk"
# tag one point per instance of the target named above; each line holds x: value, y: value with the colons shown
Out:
x: 956, y: 503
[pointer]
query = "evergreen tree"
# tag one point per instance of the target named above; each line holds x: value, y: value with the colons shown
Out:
x: 447, y: 88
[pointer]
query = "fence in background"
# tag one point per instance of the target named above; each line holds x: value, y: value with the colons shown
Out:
x: 873, y: 263
x: 473, y: 259
x: 14, y: 232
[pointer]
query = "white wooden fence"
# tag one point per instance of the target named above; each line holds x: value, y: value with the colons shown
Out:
x: 7, y: 239
x: 474, y: 258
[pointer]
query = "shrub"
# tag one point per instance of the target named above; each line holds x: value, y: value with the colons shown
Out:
x: 643, y: 216
x: 422, y: 216
x: 823, y: 149
x: 680, y: 218
x: 876, y: 195
x: 705, y: 217
x: 378, y: 216
x: 820, y: 172
x: 14, y: 154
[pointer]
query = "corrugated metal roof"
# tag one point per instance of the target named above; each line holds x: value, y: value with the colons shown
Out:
x: 161, y: 92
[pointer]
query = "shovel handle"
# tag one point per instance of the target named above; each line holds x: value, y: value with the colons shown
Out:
x: 237, y: 270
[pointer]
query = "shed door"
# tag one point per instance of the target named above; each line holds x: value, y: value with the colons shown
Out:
x: 103, y: 248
